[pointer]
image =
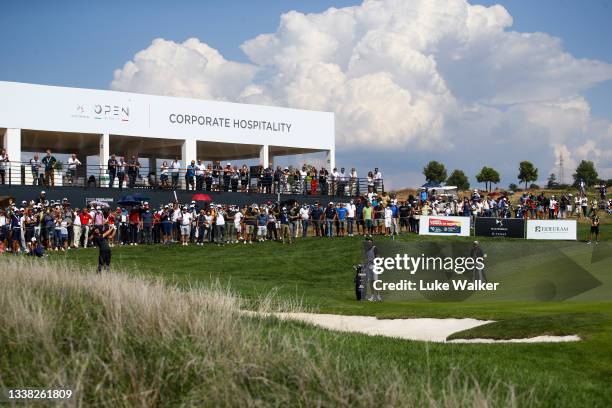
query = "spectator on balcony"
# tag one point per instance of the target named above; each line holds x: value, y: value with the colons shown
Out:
x: 49, y: 161
x: 121, y: 172
x: 353, y: 183
x: 112, y: 170
x: 314, y: 181
x: 342, y: 182
x: 190, y: 176
x: 200, y: 170
x: 163, y: 174
x: 244, y: 178
x: 227, y: 176
x: 378, y: 180
x: 175, y: 169
x: 370, y: 182
x: 35, y: 166
x: 235, y: 179
x: 73, y: 163
x: 133, y: 170
x: 3, y: 160
x: 335, y: 175
x: 208, y: 177
x: 323, y: 174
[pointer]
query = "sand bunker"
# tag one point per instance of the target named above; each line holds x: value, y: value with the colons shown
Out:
x: 423, y: 329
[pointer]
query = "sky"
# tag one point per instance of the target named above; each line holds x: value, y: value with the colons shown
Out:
x: 466, y: 83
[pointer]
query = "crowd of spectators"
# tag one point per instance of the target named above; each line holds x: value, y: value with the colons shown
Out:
x: 49, y: 225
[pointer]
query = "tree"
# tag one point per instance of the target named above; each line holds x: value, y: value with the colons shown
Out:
x: 586, y: 171
x: 488, y: 175
x: 513, y: 187
x: 527, y: 172
x: 459, y: 179
x: 434, y: 172
x: 552, y: 181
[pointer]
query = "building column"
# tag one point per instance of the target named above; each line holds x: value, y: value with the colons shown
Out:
x: 331, y: 159
x: 104, y: 156
x: 12, y: 145
x: 264, y: 156
x: 188, y: 153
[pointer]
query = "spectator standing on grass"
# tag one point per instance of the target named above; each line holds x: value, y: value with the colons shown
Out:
x: 185, y: 219
x: 220, y: 225
x: 317, y: 220
x: 284, y: 223
x: 330, y: 219
x: 341, y: 214
x: 294, y: 217
x: 146, y: 221
x: 351, y: 209
x: 134, y: 224
x: 305, y: 217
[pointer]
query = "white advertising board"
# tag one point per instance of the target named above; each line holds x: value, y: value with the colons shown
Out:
x: 552, y: 229
x: 442, y: 225
x: 51, y: 108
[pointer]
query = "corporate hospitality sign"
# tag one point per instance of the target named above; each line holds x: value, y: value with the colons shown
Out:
x: 499, y: 227
x: 49, y: 108
x: 552, y: 229
x: 443, y: 225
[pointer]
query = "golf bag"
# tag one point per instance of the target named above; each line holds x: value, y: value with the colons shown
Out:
x: 360, y: 282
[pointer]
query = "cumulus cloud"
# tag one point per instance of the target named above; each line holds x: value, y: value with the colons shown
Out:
x: 191, y: 69
x: 439, y: 76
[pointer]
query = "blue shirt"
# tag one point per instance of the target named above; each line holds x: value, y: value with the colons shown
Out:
x: 190, y: 171
x: 341, y: 213
x: 262, y: 220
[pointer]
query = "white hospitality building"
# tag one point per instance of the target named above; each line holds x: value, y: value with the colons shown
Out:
x: 90, y: 122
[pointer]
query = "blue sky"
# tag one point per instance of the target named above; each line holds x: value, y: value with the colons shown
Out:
x: 76, y: 43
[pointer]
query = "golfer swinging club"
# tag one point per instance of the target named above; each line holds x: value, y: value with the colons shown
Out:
x: 371, y: 252
x: 101, y: 241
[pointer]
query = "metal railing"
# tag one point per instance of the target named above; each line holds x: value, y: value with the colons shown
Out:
x: 211, y: 180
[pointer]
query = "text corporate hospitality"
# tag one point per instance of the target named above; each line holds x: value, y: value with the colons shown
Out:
x: 211, y: 121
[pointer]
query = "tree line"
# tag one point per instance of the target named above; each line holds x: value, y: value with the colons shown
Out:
x: 435, y: 172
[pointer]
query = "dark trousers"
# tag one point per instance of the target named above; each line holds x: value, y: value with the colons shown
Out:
x: 120, y: 179
x: 111, y: 178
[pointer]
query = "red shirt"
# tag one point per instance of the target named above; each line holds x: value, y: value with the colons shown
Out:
x: 85, y: 218
x: 134, y: 217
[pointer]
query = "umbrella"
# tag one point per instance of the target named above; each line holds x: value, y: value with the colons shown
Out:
x: 97, y: 203
x: 201, y: 197
x: 140, y: 197
x: 129, y: 201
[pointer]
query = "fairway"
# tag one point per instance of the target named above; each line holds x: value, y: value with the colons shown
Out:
x: 316, y: 274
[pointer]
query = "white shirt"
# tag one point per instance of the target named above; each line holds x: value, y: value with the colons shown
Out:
x: 72, y: 163
x: 238, y: 218
x: 304, y: 213
x: 378, y: 176
x: 200, y: 169
x: 175, y: 166
x: 186, y: 218
x: 220, y: 220
x: 388, y: 213
x: 350, y: 210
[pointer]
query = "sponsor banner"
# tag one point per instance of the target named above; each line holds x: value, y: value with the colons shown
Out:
x: 499, y: 227
x: 442, y: 225
x: 552, y: 229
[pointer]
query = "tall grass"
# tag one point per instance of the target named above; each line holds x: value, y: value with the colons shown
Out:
x: 123, y: 341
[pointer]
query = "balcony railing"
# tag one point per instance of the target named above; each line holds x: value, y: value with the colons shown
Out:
x: 23, y: 173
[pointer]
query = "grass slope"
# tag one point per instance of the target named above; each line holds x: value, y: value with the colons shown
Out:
x: 317, y: 273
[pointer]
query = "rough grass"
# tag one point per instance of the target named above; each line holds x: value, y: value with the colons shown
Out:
x: 124, y: 341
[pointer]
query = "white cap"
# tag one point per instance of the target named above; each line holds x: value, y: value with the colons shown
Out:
x: 33, y: 239
x: 98, y: 208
